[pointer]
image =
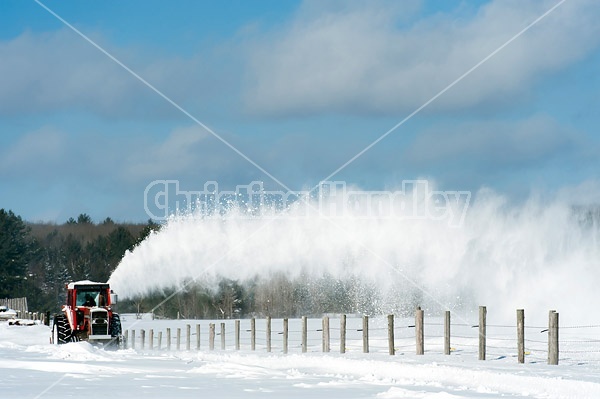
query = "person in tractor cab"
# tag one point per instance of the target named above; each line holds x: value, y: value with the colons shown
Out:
x: 89, y: 301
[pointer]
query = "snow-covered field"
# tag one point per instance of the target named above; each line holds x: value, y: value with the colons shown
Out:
x: 33, y: 368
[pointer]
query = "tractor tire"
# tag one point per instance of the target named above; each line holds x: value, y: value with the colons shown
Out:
x: 61, y: 332
x: 115, y: 332
x: 115, y: 326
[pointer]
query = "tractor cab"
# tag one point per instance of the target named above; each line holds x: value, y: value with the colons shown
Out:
x: 88, y: 295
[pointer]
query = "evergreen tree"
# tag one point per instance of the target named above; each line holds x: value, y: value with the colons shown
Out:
x: 151, y: 227
x: 15, y: 252
x: 84, y: 218
x: 108, y: 221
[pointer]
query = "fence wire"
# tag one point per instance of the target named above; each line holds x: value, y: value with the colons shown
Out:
x: 579, y: 344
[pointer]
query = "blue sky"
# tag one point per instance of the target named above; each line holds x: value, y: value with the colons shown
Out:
x: 299, y: 87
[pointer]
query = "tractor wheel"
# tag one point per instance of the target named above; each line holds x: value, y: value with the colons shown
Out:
x: 61, y: 332
x: 115, y: 325
x: 115, y: 331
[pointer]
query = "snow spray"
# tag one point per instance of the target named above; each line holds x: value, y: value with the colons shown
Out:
x: 538, y: 254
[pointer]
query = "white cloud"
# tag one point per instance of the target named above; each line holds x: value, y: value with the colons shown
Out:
x: 358, y: 60
x: 181, y: 152
x: 54, y: 71
x: 39, y: 151
x: 503, y: 144
x: 98, y: 159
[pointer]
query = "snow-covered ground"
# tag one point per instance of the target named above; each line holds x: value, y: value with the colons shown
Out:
x: 33, y: 368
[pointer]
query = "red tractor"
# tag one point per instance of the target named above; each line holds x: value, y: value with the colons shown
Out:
x: 88, y: 316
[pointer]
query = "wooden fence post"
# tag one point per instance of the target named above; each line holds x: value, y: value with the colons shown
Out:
x: 237, y: 335
x: 126, y: 338
x: 521, y: 335
x: 326, y: 339
x: 553, y: 338
x: 392, y: 350
x: 132, y: 339
x: 178, y: 338
x: 168, y: 339
x: 304, y: 334
x: 482, y: 331
x: 419, y: 331
x: 151, y: 339
x: 188, y: 337
x: 211, y: 336
x: 223, y: 336
x: 253, y: 334
x: 365, y: 334
x: 268, y: 334
x: 198, y: 337
x: 447, y: 333
x: 159, y: 340
x: 285, y: 336
x: 343, y: 334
